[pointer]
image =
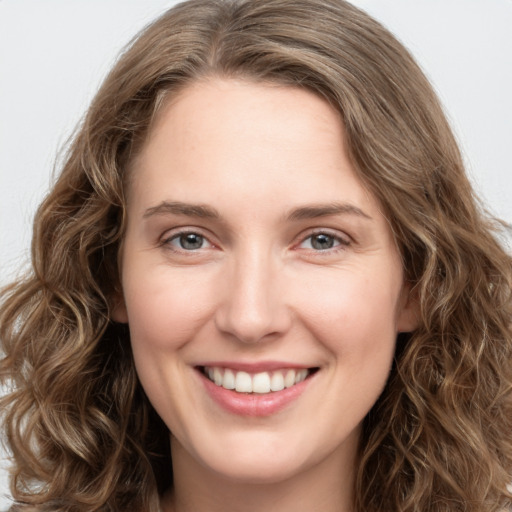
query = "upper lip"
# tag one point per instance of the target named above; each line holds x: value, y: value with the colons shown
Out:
x: 254, y: 366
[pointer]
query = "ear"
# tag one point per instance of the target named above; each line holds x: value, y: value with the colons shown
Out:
x: 408, y: 313
x: 119, y: 312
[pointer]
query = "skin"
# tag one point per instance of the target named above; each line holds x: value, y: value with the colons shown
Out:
x: 258, y: 286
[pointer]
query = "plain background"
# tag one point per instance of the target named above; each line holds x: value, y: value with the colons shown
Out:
x: 54, y: 54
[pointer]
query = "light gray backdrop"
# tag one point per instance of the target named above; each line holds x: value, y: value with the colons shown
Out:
x: 54, y: 53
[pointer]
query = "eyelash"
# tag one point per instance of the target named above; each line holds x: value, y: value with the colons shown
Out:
x: 341, y: 242
x: 179, y: 236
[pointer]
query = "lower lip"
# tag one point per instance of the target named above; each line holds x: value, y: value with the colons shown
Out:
x: 254, y: 404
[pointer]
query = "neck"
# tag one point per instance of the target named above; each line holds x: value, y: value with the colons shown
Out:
x: 326, y: 486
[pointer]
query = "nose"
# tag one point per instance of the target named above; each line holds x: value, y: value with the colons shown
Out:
x: 253, y: 307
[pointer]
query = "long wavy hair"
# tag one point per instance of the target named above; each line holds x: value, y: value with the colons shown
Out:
x: 83, y: 435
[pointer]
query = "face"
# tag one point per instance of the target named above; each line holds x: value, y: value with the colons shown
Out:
x: 262, y: 286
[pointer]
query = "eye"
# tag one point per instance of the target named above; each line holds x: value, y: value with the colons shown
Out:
x: 322, y: 242
x: 188, y: 241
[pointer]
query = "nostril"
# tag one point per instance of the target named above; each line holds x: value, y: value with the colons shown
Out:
x: 253, y: 309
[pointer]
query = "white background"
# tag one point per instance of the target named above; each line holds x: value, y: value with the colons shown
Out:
x: 54, y: 53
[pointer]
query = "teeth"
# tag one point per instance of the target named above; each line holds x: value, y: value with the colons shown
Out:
x: 300, y: 375
x: 229, y: 380
x: 277, y: 381
x: 243, y: 382
x: 262, y: 383
x: 217, y: 376
x: 289, y: 379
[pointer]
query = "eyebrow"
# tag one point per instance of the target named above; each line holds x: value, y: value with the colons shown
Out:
x: 179, y: 208
x: 326, y: 210
x: 302, y: 213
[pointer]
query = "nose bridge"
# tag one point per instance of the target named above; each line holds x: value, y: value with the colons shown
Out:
x: 253, y: 307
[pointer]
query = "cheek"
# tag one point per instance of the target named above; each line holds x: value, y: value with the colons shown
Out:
x: 165, y: 307
x: 352, y: 312
x: 351, y: 297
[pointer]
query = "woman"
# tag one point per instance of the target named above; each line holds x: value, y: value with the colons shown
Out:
x: 262, y: 282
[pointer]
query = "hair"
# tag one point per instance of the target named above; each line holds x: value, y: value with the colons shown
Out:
x: 83, y: 435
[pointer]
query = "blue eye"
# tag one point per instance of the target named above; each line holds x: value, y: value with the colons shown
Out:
x: 188, y: 242
x: 322, y: 242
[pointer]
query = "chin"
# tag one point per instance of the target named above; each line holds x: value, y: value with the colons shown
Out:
x: 260, y: 472
x: 260, y: 462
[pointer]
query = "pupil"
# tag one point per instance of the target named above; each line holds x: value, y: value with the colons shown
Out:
x: 322, y: 242
x: 191, y: 241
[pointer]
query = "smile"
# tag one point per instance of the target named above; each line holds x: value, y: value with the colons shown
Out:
x: 261, y: 382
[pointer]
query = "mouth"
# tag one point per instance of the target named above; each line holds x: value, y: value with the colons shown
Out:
x: 260, y: 383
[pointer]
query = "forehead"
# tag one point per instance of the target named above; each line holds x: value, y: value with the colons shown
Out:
x: 249, y: 108
x: 261, y: 140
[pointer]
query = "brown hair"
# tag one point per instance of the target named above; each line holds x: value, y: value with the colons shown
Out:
x: 82, y: 433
